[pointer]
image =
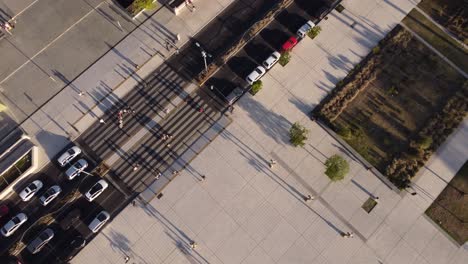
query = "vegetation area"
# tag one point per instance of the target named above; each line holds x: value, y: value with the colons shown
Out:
x: 15, y: 171
x: 256, y: 87
x: 435, y: 36
x: 298, y: 135
x: 136, y: 6
x: 313, y: 32
x: 397, y: 106
x: 452, y: 14
x: 284, y: 58
x: 449, y: 210
x: 336, y: 168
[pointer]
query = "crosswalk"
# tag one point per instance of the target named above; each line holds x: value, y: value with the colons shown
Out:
x: 194, y: 114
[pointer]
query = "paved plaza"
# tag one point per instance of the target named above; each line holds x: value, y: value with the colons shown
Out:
x: 246, y: 212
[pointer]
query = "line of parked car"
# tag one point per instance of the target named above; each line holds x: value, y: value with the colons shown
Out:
x: 267, y: 64
x: 49, y: 195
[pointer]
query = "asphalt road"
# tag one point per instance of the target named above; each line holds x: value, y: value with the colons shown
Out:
x: 57, y: 209
x: 270, y: 39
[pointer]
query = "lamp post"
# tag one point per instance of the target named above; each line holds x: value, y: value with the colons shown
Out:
x: 204, y: 54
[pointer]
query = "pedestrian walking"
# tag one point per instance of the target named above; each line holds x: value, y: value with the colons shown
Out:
x: 201, y: 110
x: 202, y: 178
x: 309, y: 198
x: 178, y: 37
x: 134, y: 203
x: 80, y: 93
x: 174, y: 173
x: 166, y: 110
x: 376, y: 197
x: 271, y: 163
x: 102, y: 121
x: 168, y: 145
x: 136, y: 167
x: 127, y: 258
x: 193, y: 245
x: 158, y: 176
x: 348, y: 235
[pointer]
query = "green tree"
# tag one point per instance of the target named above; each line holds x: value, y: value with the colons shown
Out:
x: 424, y: 142
x: 298, y: 134
x: 144, y: 4
x: 337, y: 168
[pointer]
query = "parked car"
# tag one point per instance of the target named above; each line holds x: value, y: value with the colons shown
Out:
x: 96, y: 190
x: 4, y: 210
x: 232, y: 96
x: 255, y: 75
x: 11, y: 226
x: 321, y: 12
x: 272, y: 60
x: 29, y: 191
x: 70, y: 219
x: 99, y: 221
x: 50, y: 195
x: 68, y: 156
x: 302, y: 31
x: 289, y: 44
x: 40, y: 241
x: 76, y: 169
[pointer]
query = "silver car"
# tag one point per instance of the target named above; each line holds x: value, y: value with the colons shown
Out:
x: 29, y: 191
x: 11, y: 226
x: 99, y: 221
x: 96, y: 190
x: 76, y: 169
x: 40, y: 241
x: 68, y: 156
x: 50, y: 195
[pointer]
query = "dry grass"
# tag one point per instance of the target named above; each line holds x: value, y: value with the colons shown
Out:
x: 408, y: 89
x: 450, y: 209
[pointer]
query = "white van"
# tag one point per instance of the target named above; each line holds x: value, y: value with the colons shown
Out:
x: 302, y: 32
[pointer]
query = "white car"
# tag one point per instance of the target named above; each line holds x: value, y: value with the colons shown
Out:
x: 12, y: 225
x: 96, y: 190
x: 27, y: 193
x: 99, y: 221
x: 272, y: 60
x: 76, y: 169
x: 301, y: 32
x: 40, y: 241
x: 50, y: 195
x: 68, y: 155
x: 255, y: 75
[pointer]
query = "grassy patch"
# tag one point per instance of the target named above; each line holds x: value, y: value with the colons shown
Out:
x: 369, y: 205
x: 313, y: 32
x: 449, y: 210
x: 409, y: 86
x: 437, y: 38
x: 256, y: 87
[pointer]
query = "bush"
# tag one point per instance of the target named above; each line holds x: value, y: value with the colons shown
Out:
x: 256, y: 87
x: 143, y: 4
x: 284, y: 58
x: 424, y: 143
x: 337, y: 168
x: 340, y: 8
x: 298, y: 135
x: 376, y: 50
x: 313, y: 32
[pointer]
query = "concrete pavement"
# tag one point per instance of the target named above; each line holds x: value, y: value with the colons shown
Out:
x: 246, y: 212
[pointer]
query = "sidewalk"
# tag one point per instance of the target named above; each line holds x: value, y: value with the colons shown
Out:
x: 247, y: 212
x: 68, y: 114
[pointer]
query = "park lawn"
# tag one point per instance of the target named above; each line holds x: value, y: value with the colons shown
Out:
x: 450, y: 209
x: 437, y: 38
x: 408, y: 90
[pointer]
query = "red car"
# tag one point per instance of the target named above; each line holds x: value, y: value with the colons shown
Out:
x: 289, y: 44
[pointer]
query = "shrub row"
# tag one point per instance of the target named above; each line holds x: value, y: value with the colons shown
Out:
x: 244, y: 38
x: 434, y: 133
x: 362, y: 74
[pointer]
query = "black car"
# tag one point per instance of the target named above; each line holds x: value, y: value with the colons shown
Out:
x: 72, y: 248
x: 70, y: 219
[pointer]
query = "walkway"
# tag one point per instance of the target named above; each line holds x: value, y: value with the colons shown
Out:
x: 246, y: 212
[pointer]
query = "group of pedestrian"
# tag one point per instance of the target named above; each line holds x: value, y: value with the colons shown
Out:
x: 347, y: 235
x: 7, y: 26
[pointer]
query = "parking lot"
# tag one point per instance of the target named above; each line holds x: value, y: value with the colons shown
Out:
x: 52, y: 215
x: 270, y: 39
